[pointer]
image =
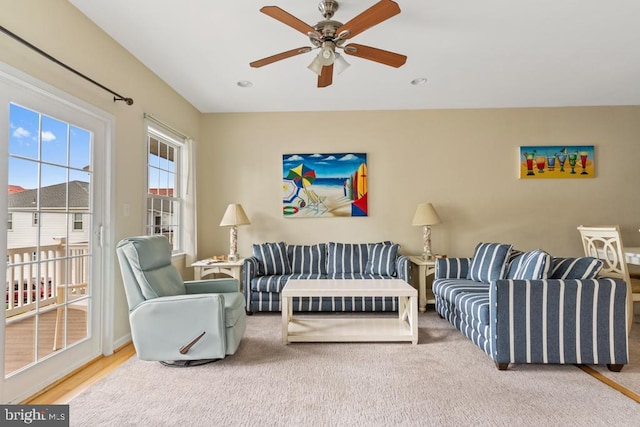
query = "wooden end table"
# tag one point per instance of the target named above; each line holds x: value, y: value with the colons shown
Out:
x: 425, y: 269
x: 210, y: 266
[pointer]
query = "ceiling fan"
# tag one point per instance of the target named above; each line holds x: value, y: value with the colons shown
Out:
x: 329, y: 35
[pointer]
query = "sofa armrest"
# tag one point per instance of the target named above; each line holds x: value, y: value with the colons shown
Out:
x: 452, y: 268
x: 558, y: 321
x: 251, y: 268
x: 403, y: 268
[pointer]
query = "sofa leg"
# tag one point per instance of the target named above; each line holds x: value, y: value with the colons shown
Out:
x: 502, y: 366
x: 615, y: 367
x: 249, y: 312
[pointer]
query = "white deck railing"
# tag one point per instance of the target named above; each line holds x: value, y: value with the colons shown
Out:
x: 33, y: 274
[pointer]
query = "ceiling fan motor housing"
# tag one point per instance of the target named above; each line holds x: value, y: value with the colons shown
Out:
x: 328, y: 8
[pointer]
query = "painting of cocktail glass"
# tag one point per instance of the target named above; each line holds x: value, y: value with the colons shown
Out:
x: 557, y: 161
x: 324, y: 185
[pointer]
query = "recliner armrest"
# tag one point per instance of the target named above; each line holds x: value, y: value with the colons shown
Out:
x: 161, y: 326
x: 210, y: 286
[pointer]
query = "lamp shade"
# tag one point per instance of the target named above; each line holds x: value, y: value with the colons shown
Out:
x: 234, y: 215
x: 425, y: 215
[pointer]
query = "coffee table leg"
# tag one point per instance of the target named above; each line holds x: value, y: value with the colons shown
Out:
x: 286, y: 317
x: 413, y: 315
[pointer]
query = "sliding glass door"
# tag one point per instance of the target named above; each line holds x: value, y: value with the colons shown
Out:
x: 55, y: 217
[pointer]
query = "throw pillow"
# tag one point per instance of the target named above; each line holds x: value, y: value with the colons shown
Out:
x: 489, y: 262
x: 346, y: 258
x: 576, y: 268
x: 272, y: 258
x: 382, y: 259
x: 311, y: 259
x: 534, y: 265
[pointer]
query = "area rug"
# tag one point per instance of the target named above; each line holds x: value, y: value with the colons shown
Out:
x: 444, y: 380
x: 629, y: 377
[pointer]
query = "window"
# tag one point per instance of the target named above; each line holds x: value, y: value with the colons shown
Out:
x: 77, y: 222
x: 34, y: 219
x: 10, y: 221
x: 164, y: 196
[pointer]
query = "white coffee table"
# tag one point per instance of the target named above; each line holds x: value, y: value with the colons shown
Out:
x: 350, y: 327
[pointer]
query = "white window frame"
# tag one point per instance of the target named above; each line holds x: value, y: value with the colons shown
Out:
x: 177, y: 226
x: 9, y: 221
x: 77, y: 221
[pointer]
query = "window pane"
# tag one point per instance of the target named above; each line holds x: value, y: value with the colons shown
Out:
x: 171, y: 159
x: 23, y: 132
x: 164, y: 163
x: 53, y: 191
x: 54, y: 141
x: 153, y: 152
x: 80, y: 148
x: 163, y: 183
x: 23, y: 175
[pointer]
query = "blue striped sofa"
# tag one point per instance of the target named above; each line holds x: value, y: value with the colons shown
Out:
x: 568, y: 315
x: 273, y: 264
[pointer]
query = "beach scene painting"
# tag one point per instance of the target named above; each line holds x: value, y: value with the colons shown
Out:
x: 557, y: 161
x: 324, y: 185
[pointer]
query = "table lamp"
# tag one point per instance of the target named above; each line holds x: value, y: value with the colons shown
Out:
x: 426, y: 216
x: 233, y: 217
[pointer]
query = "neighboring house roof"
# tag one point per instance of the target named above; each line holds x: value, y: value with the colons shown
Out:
x: 53, y: 196
x: 14, y: 189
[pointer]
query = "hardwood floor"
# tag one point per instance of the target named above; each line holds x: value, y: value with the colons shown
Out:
x: 78, y: 381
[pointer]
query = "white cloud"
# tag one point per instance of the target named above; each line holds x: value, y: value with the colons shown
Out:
x: 48, y: 136
x: 21, y: 133
x: 348, y: 157
x: 331, y: 158
x: 316, y: 155
x: 294, y: 158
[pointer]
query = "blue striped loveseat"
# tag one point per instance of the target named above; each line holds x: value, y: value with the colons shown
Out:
x: 558, y: 311
x: 273, y: 264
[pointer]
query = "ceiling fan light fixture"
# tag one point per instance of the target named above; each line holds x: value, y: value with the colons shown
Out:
x: 316, y: 65
x: 341, y: 64
x: 327, y: 55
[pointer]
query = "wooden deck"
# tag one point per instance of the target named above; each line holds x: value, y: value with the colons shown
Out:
x: 20, y: 337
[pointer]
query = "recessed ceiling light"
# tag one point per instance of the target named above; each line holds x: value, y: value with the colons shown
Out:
x: 419, y: 81
x: 244, y: 83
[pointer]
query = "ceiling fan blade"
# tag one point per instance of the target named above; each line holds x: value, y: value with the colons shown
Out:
x: 376, y: 14
x: 326, y: 77
x: 279, y: 56
x: 288, y: 19
x: 378, y: 55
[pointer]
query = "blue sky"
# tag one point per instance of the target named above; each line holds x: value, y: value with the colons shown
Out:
x: 65, y: 149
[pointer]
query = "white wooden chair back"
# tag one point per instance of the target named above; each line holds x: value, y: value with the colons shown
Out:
x: 605, y: 243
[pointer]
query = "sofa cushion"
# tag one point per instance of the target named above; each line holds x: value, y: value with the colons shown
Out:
x: 449, y: 289
x: 272, y: 258
x: 489, y: 262
x: 346, y: 257
x: 357, y: 276
x: 381, y: 259
x: 533, y: 265
x: 308, y: 259
x: 576, y: 268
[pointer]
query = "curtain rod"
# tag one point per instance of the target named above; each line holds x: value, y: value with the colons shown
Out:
x: 153, y: 118
x: 116, y: 96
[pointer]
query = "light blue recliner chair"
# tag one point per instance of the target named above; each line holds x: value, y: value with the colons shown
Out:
x: 172, y: 321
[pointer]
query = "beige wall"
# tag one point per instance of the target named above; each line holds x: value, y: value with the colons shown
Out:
x: 59, y: 29
x: 463, y: 161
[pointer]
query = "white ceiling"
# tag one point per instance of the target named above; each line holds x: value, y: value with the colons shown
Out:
x: 475, y: 54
